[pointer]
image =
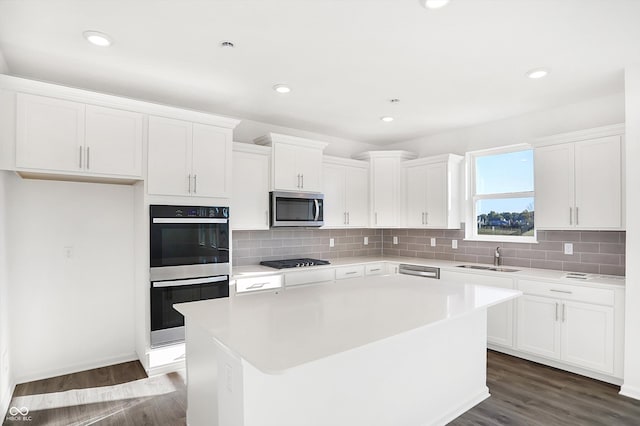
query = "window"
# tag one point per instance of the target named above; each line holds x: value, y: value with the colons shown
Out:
x: 501, y: 196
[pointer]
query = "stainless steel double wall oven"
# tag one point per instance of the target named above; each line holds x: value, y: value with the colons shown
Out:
x: 189, y: 254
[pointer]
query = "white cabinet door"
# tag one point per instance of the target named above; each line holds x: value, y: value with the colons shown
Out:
x: 499, y: 317
x: 286, y: 174
x: 309, y: 164
x: 437, y: 206
x: 211, y: 159
x: 169, y: 169
x: 554, y: 186
x: 385, y: 195
x: 598, y: 183
x: 357, y: 197
x: 539, y: 329
x: 335, y: 213
x: 113, y: 141
x: 49, y: 133
x: 250, y: 198
x: 588, y: 336
x: 416, y: 190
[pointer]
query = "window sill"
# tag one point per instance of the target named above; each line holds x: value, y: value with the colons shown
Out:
x: 502, y: 239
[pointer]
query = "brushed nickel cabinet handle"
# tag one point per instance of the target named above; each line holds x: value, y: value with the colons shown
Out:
x: 577, y: 217
x: 556, y: 311
x: 564, y: 312
x: 560, y: 291
x: 80, y: 157
x: 88, y: 157
x: 348, y: 219
x: 426, y: 218
x: 302, y: 176
x: 189, y: 182
x: 195, y: 184
x: 570, y: 216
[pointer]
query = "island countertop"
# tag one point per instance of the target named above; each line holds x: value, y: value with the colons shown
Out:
x: 276, y: 331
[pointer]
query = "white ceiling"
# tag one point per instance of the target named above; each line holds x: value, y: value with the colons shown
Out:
x: 458, y: 66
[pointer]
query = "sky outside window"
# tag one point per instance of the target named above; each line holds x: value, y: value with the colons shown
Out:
x: 504, y: 173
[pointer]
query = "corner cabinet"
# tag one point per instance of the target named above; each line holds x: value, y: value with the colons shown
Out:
x: 296, y: 163
x: 64, y: 137
x: 346, y: 193
x: 580, y: 185
x: 188, y: 159
x: 250, y: 196
x: 385, y: 187
x: 432, y: 188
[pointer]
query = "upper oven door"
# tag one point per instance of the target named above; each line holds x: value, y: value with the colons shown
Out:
x: 297, y: 209
x: 189, y: 241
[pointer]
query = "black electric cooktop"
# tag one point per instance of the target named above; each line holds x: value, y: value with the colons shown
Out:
x: 293, y: 263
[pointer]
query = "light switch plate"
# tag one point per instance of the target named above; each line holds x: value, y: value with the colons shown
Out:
x: 568, y: 248
x: 366, y: 241
x: 433, y: 242
x: 395, y: 240
x: 454, y: 244
x: 332, y: 242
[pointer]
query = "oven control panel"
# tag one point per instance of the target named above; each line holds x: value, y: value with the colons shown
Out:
x: 189, y: 211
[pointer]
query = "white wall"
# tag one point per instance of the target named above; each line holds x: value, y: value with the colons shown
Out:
x: 4, y: 68
x: 248, y: 130
x: 593, y: 113
x: 69, y: 313
x: 6, y: 382
x: 631, y: 385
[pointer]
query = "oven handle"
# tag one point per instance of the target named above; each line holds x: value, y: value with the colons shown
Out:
x: 188, y: 220
x: 192, y: 281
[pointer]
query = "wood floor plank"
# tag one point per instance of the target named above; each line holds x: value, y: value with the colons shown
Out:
x: 522, y: 393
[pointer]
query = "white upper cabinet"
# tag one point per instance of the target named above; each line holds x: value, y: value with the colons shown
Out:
x: 188, y: 159
x: 296, y: 163
x: 345, y: 188
x: 579, y: 185
x: 432, y: 188
x: 113, y: 140
x: 250, y: 196
x: 386, y: 200
x: 62, y: 136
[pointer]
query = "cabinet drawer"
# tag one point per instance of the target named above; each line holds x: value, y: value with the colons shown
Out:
x: 258, y: 283
x: 599, y: 296
x: 308, y: 277
x: 349, y: 272
x: 375, y: 269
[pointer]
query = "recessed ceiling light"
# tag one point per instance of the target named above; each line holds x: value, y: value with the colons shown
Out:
x: 386, y: 119
x: 227, y: 44
x: 537, y: 73
x: 394, y: 100
x: 435, y: 4
x: 282, y: 88
x: 97, y: 38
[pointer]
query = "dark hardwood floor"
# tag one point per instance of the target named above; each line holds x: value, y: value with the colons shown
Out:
x: 522, y: 393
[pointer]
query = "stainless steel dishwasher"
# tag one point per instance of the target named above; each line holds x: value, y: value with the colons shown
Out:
x: 420, y: 271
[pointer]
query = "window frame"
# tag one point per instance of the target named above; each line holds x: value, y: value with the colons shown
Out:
x: 471, y: 198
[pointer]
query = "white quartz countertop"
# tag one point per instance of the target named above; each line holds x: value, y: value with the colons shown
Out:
x: 530, y: 273
x: 276, y: 331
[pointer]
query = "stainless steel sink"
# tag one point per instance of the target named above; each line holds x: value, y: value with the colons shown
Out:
x: 489, y: 268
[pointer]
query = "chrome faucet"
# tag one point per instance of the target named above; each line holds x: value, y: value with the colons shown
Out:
x: 496, y: 257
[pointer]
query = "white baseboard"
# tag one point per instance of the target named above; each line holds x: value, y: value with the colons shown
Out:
x: 630, y: 391
x: 39, y: 375
x: 4, y: 404
x: 167, y: 368
x: 464, y: 407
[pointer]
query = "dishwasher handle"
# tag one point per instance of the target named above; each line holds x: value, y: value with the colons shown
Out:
x: 420, y: 271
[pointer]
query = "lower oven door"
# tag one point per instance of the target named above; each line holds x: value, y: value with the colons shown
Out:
x: 167, y: 324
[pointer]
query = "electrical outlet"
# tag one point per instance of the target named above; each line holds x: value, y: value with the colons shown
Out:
x: 395, y: 240
x: 454, y: 244
x: 568, y: 248
x: 433, y: 242
x: 366, y: 241
x: 332, y: 242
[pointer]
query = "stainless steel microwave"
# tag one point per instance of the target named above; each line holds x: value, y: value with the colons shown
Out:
x: 290, y: 209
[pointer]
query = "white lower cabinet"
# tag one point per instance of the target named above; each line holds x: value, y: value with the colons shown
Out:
x: 375, y: 269
x: 351, y: 271
x: 308, y: 277
x: 571, y: 324
x: 499, y: 317
x: 248, y: 284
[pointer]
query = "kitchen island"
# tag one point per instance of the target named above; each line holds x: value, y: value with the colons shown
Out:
x: 376, y: 351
